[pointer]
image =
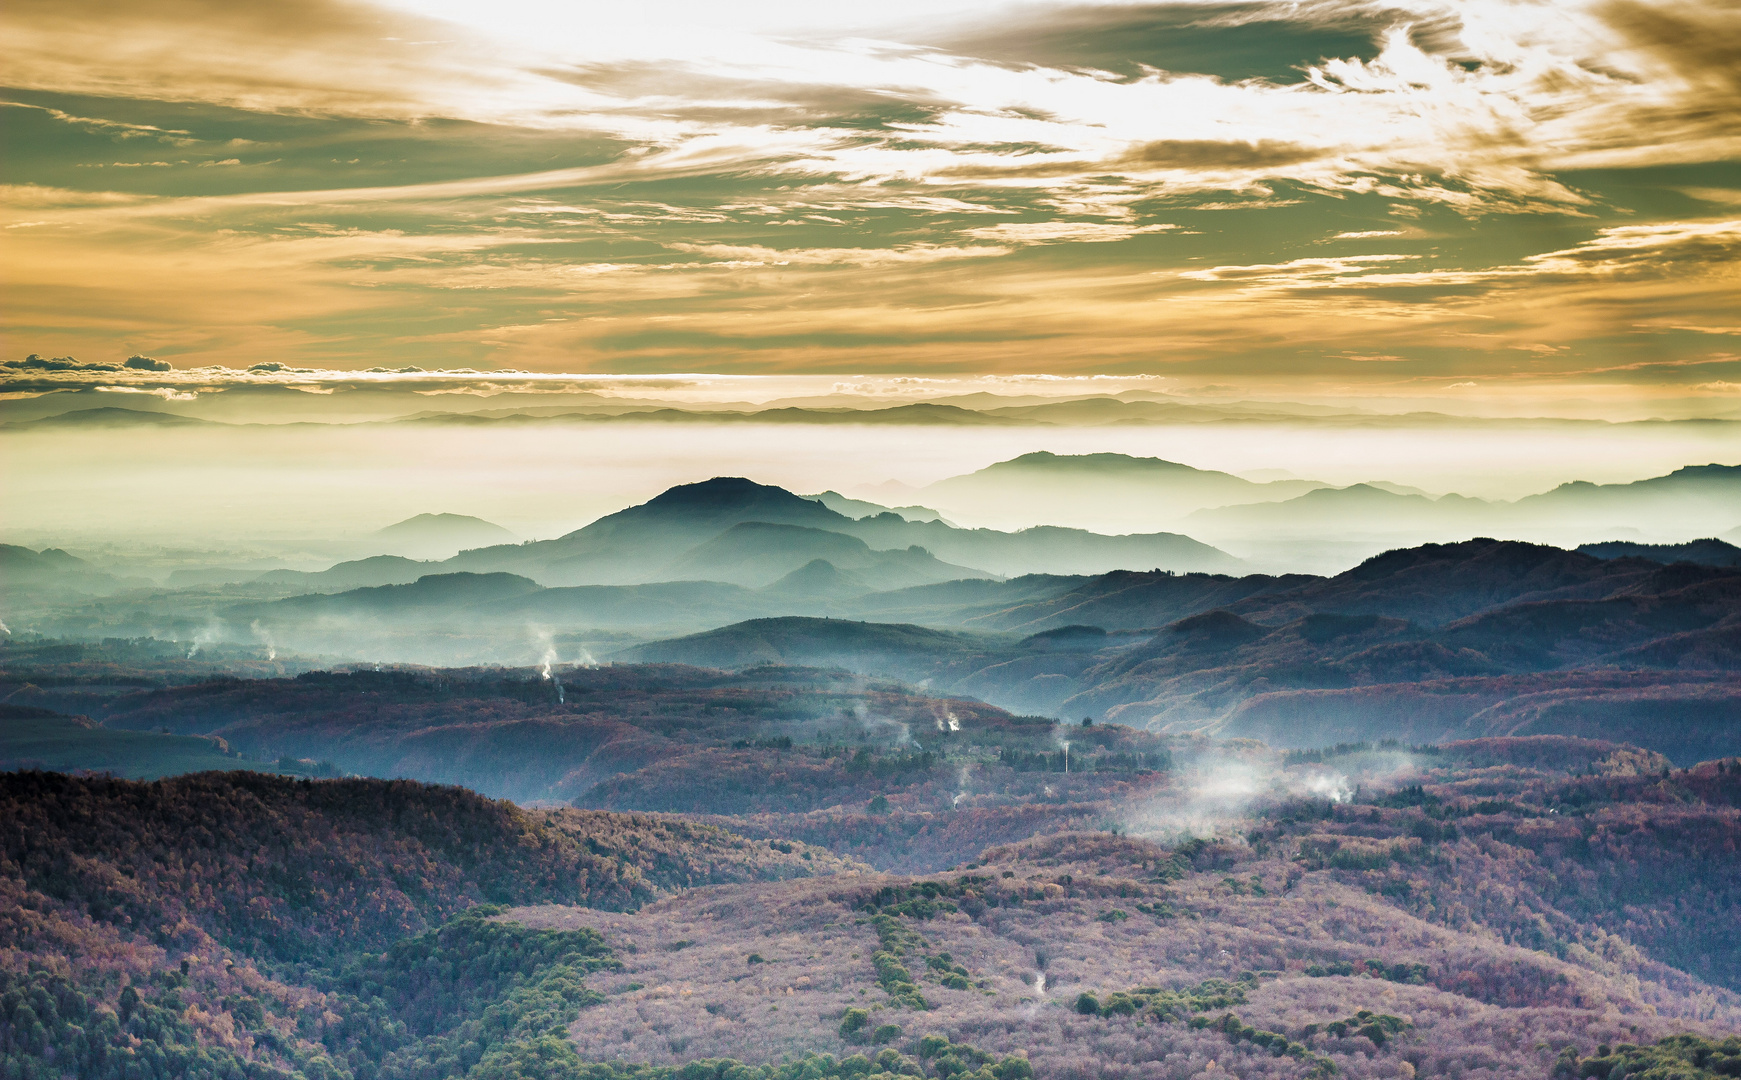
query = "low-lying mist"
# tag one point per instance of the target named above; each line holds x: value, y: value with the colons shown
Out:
x: 293, y: 492
x: 1219, y: 786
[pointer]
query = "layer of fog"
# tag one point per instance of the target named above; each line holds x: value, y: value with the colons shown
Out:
x: 297, y: 494
x: 1217, y: 789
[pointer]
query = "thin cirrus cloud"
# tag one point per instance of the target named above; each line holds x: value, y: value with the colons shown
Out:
x: 1119, y: 187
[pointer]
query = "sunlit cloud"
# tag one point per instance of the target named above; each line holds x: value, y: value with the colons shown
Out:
x: 679, y: 186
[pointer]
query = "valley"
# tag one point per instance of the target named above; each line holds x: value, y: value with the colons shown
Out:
x: 742, y: 785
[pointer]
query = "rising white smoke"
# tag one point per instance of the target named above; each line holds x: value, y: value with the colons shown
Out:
x: 1214, y: 792
x: 547, y: 662
x: 211, y: 634
x: 265, y: 636
x: 961, y: 782
x: 878, y: 728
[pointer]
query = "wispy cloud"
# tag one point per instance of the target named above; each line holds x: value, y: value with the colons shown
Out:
x: 788, y: 184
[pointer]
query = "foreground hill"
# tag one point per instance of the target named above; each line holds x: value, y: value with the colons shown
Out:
x: 233, y: 924
x: 1466, y: 924
x: 1041, y: 947
x: 280, y: 869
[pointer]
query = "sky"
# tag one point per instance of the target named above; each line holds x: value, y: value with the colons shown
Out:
x: 1456, y: 202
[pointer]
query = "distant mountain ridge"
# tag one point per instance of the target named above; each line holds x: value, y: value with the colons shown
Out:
x: 1710, y: 552
x: 359, y: 573
x: 439, y: 536
x: 1426, y: 643
x: 1696, y: 497
x: 1082, y: 485
x: 648, y: 542
x: 1307, y: 524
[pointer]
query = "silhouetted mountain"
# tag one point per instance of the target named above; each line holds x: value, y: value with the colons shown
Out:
x: 21, y: 562
x: 1709, y: 552
x: 1124, y: 600
x: 819, y: 578
x: 921, y: 413
x: 1350, y: 509
x: 755, y: 553
x: 957, y: 602
x: 883, y: 648
x: 858, y: 508
x: 429, y: 591
x: 439, y: 536
x: 1410, y: 619
x: 1092, y: 486
x: 1296, y: 523
x: 1719, y: 486
x: 360, y: 573
x: 640, y: 608
x: 640, y: 543
x: 648, y: 542
x: 107, y: 417
x: 1438, y: 583
x: 1045, y: 549
x: 51, y: 569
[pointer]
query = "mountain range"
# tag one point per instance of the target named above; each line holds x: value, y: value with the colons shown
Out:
x: 1307, y: 524
x: 1440, y: 642
x: 1691, y: 498
x: 1090, y: 486
x: 664, y: 539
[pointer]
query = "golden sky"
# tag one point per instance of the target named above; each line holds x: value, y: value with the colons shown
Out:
x: 1408, y: 199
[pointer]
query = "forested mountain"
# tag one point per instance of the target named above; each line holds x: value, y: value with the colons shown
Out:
x: 1710, y: 552
x: 1465, y: 809
x: 233, y: 924
x: 1426, y: 644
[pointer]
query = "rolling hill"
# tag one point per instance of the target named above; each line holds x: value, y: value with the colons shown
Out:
x: 756, y: 553
x: 36, y: 738
x: 884, y: 648
x: 1504, y: 622
x: 194, y: 926
x: 357, y: 574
